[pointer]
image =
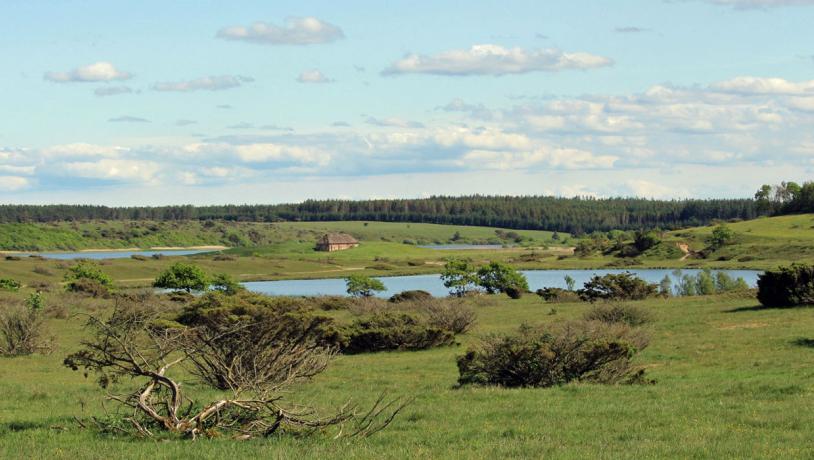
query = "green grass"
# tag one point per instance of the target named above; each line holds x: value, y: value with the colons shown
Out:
x: 68, y: 236
x: 732, y: 381
x: 286, y: 250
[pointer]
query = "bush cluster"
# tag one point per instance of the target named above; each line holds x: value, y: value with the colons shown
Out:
x: 622, y: 286
x: 588, y: 351
x: 787, y: 286
x: 393, y: 331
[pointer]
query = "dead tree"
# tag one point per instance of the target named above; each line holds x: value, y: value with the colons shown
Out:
x: 135, y: 343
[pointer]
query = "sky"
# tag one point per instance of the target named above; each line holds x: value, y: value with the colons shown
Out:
x: 211, y: 102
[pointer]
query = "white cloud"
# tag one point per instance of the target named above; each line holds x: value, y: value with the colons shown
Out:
x: 13, y: 183
x: 647, y: 189
x: 100, y: 71
x: 495, y: 60
x: 313, y: 76
x: 113, y: 169
x: 211, y: 83
x: 541, y: 157
x: 262, y: 152
x: 81, y: 150
x: 295, y: 31
x: 756, y: 85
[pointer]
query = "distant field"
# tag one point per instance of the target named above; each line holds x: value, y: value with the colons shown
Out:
x: 732, y: 382
x: 69, y: 236
x: 286, y: 250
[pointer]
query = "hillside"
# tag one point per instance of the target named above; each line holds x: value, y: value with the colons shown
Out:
x: 69, y: 236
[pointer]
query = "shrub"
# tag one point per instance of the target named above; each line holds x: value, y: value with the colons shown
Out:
x: 21, y: 330
x: 589, y: 351
x: 89, y: 287
x: 787, y: 286
x: 250, y: 331
x: 622, y: 286
x: 393, y: 331
x: 455, y: 316
x: 721, y: 236
x: 557, y: 295
x: 363, y: 286
x: 45, y: 271
x: 498, y: 277
x: 87, y: 277
x: 226, y: 284
x: 459, y: 275
x: 410, y: 296
x: 8, y: 284
x: 622, y: 314
x: 182, y: 276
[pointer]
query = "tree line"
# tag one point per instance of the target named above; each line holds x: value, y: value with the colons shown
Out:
x: 785, y: 198
x: 574, y: 215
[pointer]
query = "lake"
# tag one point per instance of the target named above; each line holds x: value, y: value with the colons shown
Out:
x: 99, y: 255
x: 432, y: 283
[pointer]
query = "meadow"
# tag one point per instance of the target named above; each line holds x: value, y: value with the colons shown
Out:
x: 732, y: 380
x: 286, y: 250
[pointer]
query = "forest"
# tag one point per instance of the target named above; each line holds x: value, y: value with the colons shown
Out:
x: 573, y: 215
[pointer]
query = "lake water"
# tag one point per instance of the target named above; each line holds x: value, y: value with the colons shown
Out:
x: 457, y: 247
x: 432, y: 283
x: 99, y: 255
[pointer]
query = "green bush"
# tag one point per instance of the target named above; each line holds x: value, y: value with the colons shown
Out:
x: 393, y: 331
x: 498, y: 277
x: 182, y: 276
x: 8, y: 284
x: 623, y: 314
x: 363, y: 286
x: 588, y: 351
x: 557, y: 295
x: 622, y: 286
x: 87, y: 277
x: 789, y: 286
x: 226, y: 284
x: 410, y: 296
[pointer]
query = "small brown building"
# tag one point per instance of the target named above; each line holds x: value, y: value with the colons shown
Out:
x: 336, y: 242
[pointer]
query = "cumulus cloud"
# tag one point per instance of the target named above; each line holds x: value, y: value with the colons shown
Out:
x: 211, y: 83
x: 100, y: 71
x: 112, y: 170
x: 295, y: 31
x: 112, y: 90
x: 313, y: 76
x: 13, y: 183
x: 496, y: 60
x: 81, y: 150
x: 757, y: 85
x: 262, y: 152
x: 128, y: 119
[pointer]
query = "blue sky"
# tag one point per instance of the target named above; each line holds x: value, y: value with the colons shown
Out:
x: 260, y: 102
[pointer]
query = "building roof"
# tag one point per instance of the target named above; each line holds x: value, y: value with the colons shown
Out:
x: 337, y: 238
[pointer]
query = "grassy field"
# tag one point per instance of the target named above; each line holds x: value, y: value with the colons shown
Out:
x: 70, y: 236
x: 288, y: 251
x: 733, y: 381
